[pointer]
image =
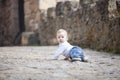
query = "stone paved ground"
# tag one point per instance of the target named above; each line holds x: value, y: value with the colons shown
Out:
x: 35, y: 63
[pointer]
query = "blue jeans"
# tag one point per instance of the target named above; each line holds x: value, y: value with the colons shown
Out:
x: 76, y: 52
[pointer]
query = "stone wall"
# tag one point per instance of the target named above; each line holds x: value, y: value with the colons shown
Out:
x: 92, y: 24
x: 33, y: 8
x: 12, y: 20
x: 8, y: 21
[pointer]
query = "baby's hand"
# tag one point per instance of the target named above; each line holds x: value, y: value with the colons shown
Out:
x: 66, y: 58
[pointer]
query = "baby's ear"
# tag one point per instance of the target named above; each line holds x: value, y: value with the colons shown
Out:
x: 67, y: 38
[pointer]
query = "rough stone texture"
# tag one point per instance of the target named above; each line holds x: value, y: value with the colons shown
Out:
x: 118, y: 5
x: 30, y: 38
x: 89, y: 25
x: 10, y: 28
x: 32, y: 14
x: 45, y: 4
x: 8, y: 22
x: 35, y: 63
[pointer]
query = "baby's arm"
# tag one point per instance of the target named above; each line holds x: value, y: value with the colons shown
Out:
x: 59, y: 52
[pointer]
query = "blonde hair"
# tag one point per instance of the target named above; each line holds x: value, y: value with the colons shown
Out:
x: 63, y: 31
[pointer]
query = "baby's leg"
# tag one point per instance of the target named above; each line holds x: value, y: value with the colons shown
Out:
x: 76, y: 54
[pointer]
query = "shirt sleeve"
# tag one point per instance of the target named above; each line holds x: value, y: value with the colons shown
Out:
x: 59, y: 52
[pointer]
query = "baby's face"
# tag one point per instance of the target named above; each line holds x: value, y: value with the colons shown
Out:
x: 61, y: 37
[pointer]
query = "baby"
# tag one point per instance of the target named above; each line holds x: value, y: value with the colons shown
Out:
x: 70, y: 52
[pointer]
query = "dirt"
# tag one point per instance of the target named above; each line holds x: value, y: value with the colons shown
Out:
x: 35, y: 63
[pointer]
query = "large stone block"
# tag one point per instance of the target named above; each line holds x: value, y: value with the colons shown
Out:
x: 30, y: 38
x: 9, y: 26
x: 51, y: 12
x: 59, y: 8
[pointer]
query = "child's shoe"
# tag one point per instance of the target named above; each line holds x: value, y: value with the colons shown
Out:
x: 85, y: 59
x: 76, y: 59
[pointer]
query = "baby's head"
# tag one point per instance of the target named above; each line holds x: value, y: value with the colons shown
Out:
x: 62, y: 35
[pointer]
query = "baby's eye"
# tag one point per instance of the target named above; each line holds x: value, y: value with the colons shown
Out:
x: 58, y: 37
